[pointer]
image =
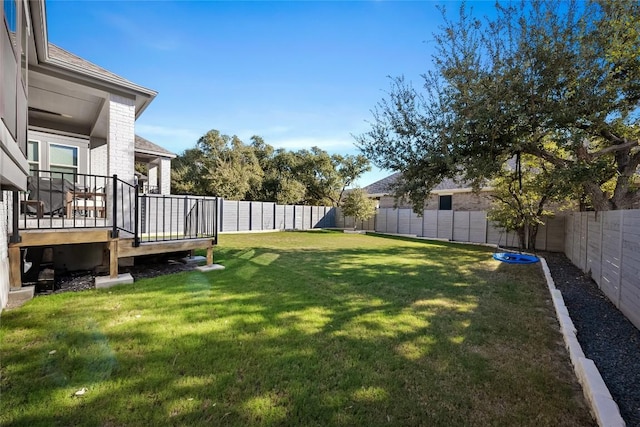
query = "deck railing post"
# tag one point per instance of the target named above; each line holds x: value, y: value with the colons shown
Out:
x: 136, y: 230
x: 114, y: 227
x: 215, y: 227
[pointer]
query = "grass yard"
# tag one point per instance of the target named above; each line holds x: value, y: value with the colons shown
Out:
x: 310, y: 329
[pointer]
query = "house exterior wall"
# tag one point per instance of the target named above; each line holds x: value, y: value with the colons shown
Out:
x: 45, y: 139
x: 13, y: 98
x: 4, y: 252
x: 152, y: 174
x: 99, y: 160
x: 462, y: 201
x: 121, y: 137
x: 165, y: 176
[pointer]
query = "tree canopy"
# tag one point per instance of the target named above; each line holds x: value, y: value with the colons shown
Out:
x: 358, y: 205
x: 556, y: 80
x: 224, y: 166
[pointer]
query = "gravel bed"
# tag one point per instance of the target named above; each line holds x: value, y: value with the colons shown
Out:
x: 605, y: 334
x: 144, y: 268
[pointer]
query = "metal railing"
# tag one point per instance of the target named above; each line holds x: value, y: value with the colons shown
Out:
x: 164, y: 218
x: 55, y: 200
x: 63, y: 200
x: 124, y: 204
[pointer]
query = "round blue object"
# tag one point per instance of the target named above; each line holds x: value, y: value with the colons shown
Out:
x: 511, y: 258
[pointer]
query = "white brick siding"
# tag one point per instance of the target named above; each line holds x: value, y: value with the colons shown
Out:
x: 153, y: 175
x: 121, y: 137
x: 99, y: 160
x: 165, y: 176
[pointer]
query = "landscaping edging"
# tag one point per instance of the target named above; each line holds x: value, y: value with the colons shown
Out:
x: 604, y: 408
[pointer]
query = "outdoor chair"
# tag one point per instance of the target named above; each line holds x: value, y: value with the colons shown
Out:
x: 86, y: 203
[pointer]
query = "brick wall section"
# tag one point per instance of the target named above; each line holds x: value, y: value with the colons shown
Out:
x: 461, y: 202
x: 99, y: 160
x: 152, y: 174
x: 4, y: 252
x: 165, y: 176
x: 121, y: 137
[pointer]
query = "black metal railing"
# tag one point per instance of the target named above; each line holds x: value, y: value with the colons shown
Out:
x: 164, y: 218
x: 124, y: 204
x: 59, y: 200
x: 56, y: 199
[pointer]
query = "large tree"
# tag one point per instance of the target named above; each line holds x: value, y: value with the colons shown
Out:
x: 224, y: 166
x: 219, y: 165
x: 326, y: 176
x: 567, y: 72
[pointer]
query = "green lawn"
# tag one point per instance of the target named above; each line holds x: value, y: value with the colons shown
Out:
x: 317, y: 328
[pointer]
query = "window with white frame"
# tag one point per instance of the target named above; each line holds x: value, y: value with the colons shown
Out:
x: 33, y: 156
x: 63, y: 159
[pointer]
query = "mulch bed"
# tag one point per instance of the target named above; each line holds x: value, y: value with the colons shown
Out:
x: 606, y: 336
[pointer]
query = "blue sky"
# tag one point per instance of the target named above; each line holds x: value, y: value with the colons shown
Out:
x: 298, y: 74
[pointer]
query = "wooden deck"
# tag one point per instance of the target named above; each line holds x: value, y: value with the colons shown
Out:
x: 119, y: 247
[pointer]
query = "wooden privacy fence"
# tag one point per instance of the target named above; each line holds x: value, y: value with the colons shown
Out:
x: 461, y: 226
x: 606, y: 245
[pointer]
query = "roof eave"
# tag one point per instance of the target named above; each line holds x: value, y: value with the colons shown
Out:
x: 156, y: 153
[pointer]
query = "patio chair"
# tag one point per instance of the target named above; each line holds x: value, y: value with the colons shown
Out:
x: 86, y: 203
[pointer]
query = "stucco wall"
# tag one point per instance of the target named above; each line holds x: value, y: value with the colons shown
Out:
x: 460, y: 202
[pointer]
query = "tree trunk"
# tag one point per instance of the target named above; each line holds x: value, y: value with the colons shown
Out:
x: 533, y: 234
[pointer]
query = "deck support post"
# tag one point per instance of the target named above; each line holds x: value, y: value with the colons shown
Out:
x: 210, y: 254
x: 113, y: 258
x: 15, y: 261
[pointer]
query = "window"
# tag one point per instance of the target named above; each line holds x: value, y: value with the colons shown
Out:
x: 33, y: 156
x: 63, y: 159
x: 445, y: 203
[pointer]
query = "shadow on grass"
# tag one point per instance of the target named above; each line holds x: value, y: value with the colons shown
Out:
x: 407, y: 333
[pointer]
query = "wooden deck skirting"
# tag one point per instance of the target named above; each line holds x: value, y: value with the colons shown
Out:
x: 118, y: 247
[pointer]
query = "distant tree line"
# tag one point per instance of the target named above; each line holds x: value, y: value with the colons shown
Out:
x: 224, y: 166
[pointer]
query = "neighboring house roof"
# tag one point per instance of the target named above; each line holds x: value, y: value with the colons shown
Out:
x: 384, y: 186
x: 145, y: 146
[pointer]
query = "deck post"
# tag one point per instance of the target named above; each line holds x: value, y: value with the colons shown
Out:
x: 113, y: 258
x: 15, y: 275
x: 210, y: 254
x: 114, y: 205
x: 136, y: 230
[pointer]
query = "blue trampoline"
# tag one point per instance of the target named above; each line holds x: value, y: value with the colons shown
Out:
x: 511, y: 258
